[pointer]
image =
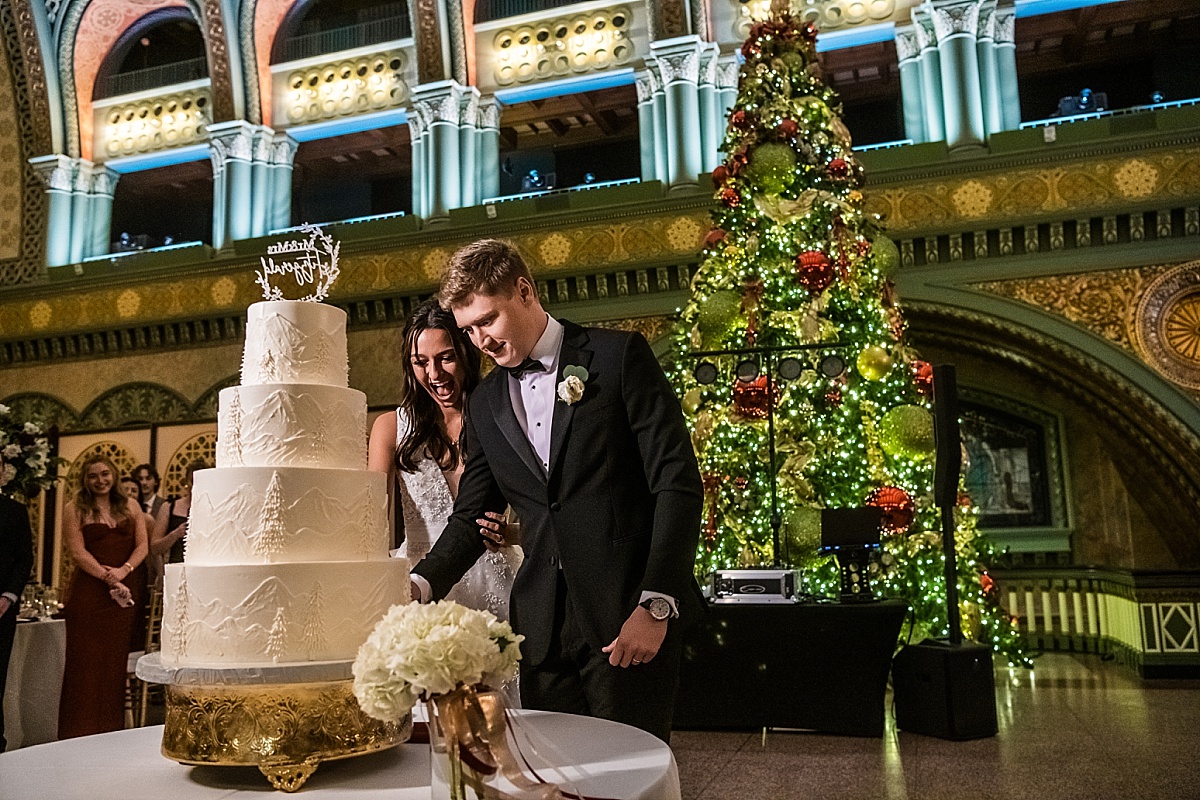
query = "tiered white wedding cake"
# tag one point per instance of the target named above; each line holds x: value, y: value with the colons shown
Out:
x: 286, y: 554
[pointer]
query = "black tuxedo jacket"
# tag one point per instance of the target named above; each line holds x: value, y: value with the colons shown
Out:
x: 16, y: 546
x: 618, y: 512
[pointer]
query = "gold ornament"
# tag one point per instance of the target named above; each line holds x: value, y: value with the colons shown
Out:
x: 874, y: 363
x: 691, y: 401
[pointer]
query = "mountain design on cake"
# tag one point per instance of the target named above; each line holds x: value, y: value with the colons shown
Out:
x: 286, y: 558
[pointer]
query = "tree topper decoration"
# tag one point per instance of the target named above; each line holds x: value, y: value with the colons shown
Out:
x: 313, y: 263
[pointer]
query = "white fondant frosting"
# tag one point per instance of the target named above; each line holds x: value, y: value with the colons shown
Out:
x: 288, y: 341
x: 317, y: 515
x: 275, y: 613
x: 292, y: 425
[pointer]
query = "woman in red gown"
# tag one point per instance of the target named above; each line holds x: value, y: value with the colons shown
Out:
x: 106, y: 537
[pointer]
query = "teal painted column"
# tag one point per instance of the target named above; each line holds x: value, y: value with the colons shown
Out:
x: 231, y: 149
x: 57, y: 173
x: 931, y: 76
x: 104, y: 186
x: 283, y: 159
x: 956, y: 24
x: 1006, y: 65
x: 678, y: 63
x: 727, y: 90
x: 416, y: 133
x: 647, y: 124
x: 262, y: 182
x: 468, y: 147
x: 81, y: 211
x: 908, y: 52
x: 711, y: 128
x: 440, y: 106
x: 989, y: 78
x: 487, y: 166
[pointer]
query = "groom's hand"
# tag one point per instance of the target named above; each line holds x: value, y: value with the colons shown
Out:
x: 639, y: 640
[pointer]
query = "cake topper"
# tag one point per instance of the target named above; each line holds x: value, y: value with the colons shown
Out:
x: 313, y: 262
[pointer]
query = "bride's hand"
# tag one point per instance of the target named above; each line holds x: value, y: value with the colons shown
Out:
x: 496, y: 531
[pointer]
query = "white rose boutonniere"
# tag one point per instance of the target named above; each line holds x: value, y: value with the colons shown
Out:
x: 570, y: 389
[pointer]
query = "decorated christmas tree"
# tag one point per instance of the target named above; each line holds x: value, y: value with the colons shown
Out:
x: 793, y: 329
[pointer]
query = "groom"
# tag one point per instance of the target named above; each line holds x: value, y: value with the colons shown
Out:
x: 605, y: 483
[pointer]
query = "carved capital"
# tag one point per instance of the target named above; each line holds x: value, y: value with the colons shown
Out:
x: 57, y: 172
x: 444, y: 101
x: 104, y: 180
x: 678, y: 59
x: 489, y: 114
x: 647, y: 85
x: 263, y: 146
x: 708, y: 66
x: 923, y: 28
x: 283, y: 150
x: 727, y: 72
x: 987, y: 19
x: 907, y: 46
x: 955, y: 19
x: 1004, y: 21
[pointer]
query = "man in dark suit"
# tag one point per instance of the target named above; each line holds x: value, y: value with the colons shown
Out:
x: 16, y: 561
x: 580, y: 432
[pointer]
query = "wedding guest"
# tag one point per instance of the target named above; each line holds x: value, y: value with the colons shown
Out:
x: 170, y: 547
x: 106, y: 537
x: 139, y: 581
x: 157, y: 507
x: 581, y: 433
x: 420, y: 445
x: 16, y: 561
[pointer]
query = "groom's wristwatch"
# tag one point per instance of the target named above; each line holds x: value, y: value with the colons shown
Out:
x: 658, y: 607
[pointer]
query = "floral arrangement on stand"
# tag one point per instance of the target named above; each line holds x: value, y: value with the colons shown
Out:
x: 447, y: 656
x: 26, y: 466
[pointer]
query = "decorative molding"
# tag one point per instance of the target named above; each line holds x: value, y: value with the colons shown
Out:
x: 220, y: 72
x: 987, y: 20
x: 668, y: 19
x: 923, y: 28
x: 907, y: 45
x: 955, y: 19
x: 1005, y: 25
x: 428, y: 36
x: 1167, y: 325
x: 727, y: 72
x: 30, y: 63
x: 647, y: 86
x: 133, y: 403
x: 678, y: 59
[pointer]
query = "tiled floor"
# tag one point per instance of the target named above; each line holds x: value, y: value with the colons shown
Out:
x: 1074, y: 727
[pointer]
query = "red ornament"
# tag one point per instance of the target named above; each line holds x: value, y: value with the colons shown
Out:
x: 715, y: 238
x: 814, y: 271
x: 834, y: 397
x: 730, y: 197
x: 896, y: 505
x: 738, y: 161
x: 863, y: 247
x: 750, y: 399
x: 809, y: 31
x: 720, y: 175
x: 741, y: 120
x: 986, y: 583
x: 741, y: 482
x: 838, y: 169
x: 923, y: 377
x: 788, y: 129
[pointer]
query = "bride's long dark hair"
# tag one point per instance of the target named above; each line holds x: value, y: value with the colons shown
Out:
x: 425, y: 436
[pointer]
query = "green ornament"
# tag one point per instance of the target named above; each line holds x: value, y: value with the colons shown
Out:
x: 874, y: 363
x: 887, y: 256
x: 801, y: 532
x: 907, y: 432
x: 719, y: 314
x: 772, y: 167
x: 691, y: 401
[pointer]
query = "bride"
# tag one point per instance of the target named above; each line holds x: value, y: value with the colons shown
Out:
x: 420, y: 443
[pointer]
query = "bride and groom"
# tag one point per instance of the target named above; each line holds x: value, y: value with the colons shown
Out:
x: 579, y: 431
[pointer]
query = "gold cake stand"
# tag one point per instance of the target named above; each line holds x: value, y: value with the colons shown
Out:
x: 284, y: 719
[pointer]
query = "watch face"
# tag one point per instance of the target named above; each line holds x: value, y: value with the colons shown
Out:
x: 659, y: 608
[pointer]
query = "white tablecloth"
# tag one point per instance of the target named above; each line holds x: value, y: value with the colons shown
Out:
x: 614, y: 761
x: 35, y: 674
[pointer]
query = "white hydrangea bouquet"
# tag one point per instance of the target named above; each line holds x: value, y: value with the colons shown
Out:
x: 446, y: 655
x: 25, y: 463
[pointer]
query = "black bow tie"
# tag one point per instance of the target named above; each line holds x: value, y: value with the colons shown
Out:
x: 528, y: 365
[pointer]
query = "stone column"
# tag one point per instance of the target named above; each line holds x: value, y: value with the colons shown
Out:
x: 678, y: 63
x: 908, y: 51
x: 931, y: 75
x: 727, y: 84
x: 711, y: 127
x: 440, y: 106
x: 468, y: 147
x: 989, y: 78
x: 262, y: 182
x: 488, y: 159
x: 420, y: 195
x: 1004, y: 23
x: 283, y: 159
x: 57, y: 172
x: 81, y: 211
x: 104, y: 186
x: 231, y: 150
x: 956, y: 25
x: 648, y: 123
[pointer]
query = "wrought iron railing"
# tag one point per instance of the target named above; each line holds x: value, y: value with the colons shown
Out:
x: 1115, y: 112
x: 391, y: 23
x: 141, y: 80
x: 488, y: 10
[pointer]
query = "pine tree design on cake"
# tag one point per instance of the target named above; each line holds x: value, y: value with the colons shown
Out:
x: 324, y: 353
x: 320, y: 440
x: 365, y: 543
x: 233, y: 441
x: 180, y: 623
x: 268, y: 369
x: 277, y: 635
x: 313, y: 635
x: 271, y: 533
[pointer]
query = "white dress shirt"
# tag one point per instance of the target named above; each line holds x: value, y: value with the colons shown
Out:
x: 533, y: 393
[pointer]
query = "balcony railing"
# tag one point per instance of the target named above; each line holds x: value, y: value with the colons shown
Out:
x: 152, y: 78
x: 1116, y: 112
x: 396, y: 25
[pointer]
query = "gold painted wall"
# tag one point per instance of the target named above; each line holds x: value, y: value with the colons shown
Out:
x: 11, y: 162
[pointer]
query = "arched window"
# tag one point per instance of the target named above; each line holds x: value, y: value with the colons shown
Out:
x: 331, y: 26
x: 161, y: 49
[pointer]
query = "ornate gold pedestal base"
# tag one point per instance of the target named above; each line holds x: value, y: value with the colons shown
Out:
x: 286, y: 730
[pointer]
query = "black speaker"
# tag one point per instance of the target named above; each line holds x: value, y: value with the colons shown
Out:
x: 944, y: 690
x: 946, y: 436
